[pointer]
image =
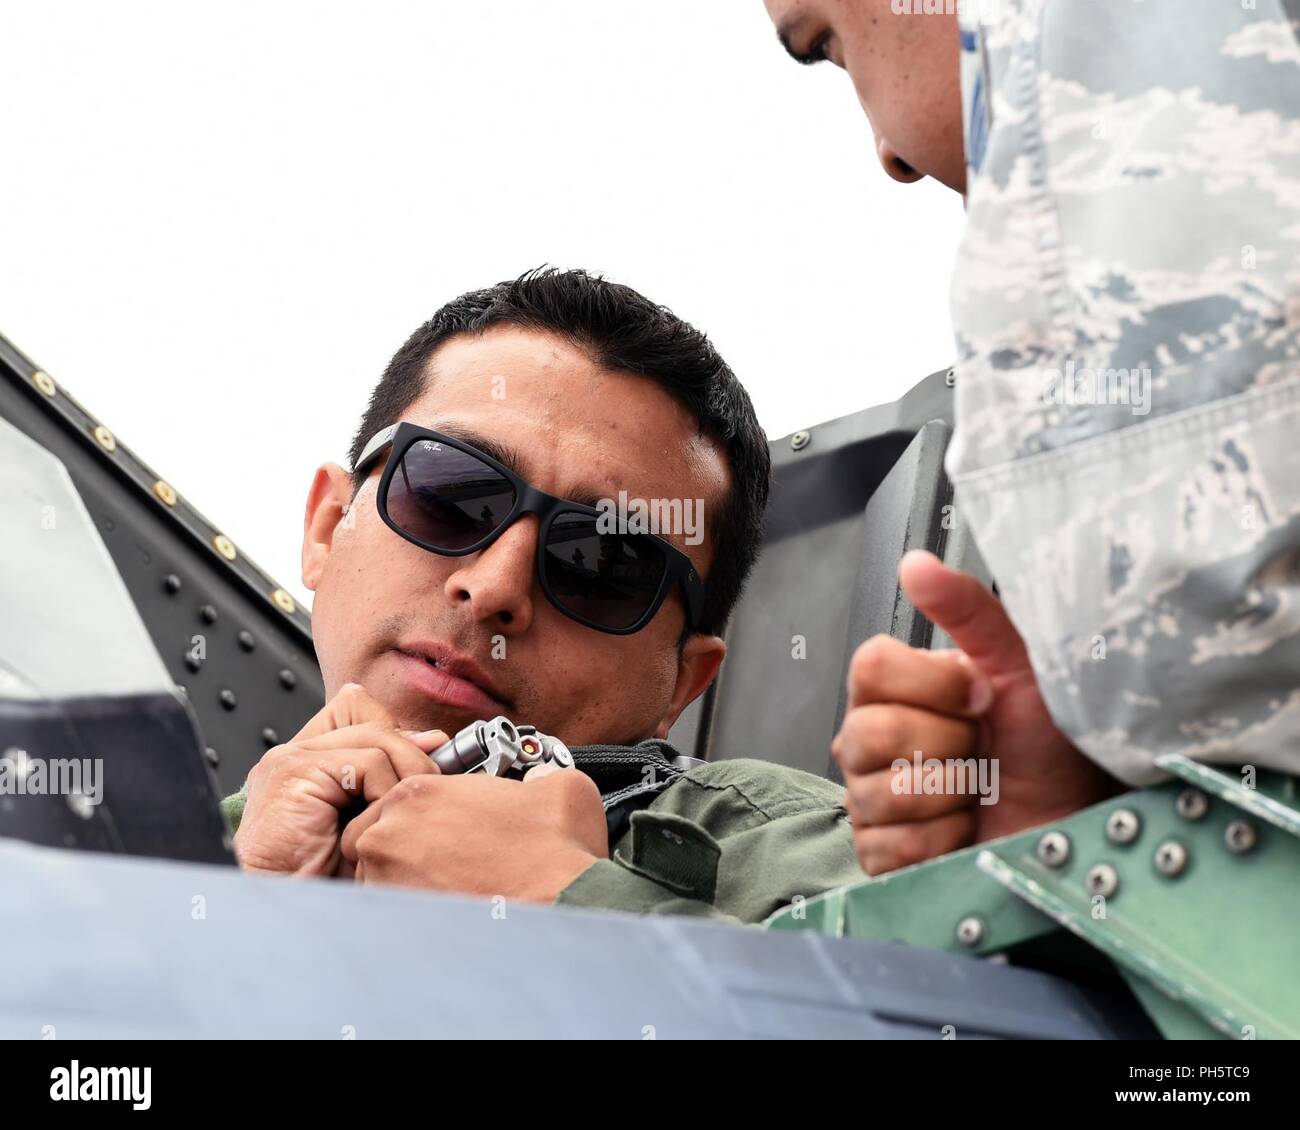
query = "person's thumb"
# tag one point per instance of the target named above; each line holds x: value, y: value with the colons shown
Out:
x: 966, y: 610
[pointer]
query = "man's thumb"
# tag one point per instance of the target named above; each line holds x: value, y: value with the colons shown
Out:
x: 966, y: 610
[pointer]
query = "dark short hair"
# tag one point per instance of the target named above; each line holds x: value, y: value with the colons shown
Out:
x: 624, y: 331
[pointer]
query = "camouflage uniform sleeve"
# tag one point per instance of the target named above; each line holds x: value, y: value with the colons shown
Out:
x: 734, y: 841
x: 1127, y: 307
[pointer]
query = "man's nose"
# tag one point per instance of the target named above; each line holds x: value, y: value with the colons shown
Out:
x: 894, y: 165
x: 498, y: 583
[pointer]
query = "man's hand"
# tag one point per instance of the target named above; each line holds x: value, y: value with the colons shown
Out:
x: 350, y: 751
x: 980, y: 701
x: 483, y: 835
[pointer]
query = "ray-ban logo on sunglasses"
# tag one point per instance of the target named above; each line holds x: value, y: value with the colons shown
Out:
x: 660, y: 516
x: 429, y: 445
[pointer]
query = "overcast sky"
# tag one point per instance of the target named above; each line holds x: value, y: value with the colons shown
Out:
x: 218, y: 222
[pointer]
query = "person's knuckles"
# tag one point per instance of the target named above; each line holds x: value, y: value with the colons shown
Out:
x: 871, y: 662
x: 871, y: 735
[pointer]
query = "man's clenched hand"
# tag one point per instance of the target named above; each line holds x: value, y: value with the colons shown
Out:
x: 980, y: 701
x: 350, y: 751
x: 484, y: 835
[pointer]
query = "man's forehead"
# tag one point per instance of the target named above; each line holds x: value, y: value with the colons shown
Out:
x: 545, y: 409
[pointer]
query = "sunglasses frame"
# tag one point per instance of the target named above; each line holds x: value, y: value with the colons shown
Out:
x: 401, y: 437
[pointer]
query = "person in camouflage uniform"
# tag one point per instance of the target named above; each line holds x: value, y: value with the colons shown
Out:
x: 1127, y: 309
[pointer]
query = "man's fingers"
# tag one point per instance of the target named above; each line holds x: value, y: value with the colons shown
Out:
x: 966, y: 610
x: 407, y: 758
x: 352, y: 704
x: 884, y: 669
x: 887, y: 847
x: 872, y: 736
x: 895, y: 796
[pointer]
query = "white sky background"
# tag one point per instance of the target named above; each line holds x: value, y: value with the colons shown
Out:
x: 218, y: 222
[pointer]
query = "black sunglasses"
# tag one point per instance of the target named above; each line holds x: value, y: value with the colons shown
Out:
x: 448, y: 497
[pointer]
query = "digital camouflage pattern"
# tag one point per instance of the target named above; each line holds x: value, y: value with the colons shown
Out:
x: 1127, y: 306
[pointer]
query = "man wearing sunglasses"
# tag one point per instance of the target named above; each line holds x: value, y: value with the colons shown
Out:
x: 466, y: 567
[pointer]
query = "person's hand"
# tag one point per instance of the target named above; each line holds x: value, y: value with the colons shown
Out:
x: 476, y: 834
x: 980, y: 701
x: 350, y: 752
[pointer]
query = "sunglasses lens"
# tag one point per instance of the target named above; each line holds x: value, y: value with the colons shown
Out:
x: 447, y: 498
x: 609, y: 580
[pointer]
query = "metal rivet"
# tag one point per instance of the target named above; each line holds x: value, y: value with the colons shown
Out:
x: 1102, y: 880
x: 246, y: 640
x: 225, y: 547
x: 211, y: 754
x: 44, y: 382
x: 106, y: 438
x: 172, y: 583
x: 192, y: 661
x: 227, y: 697
x: 970, y: 930
x: 270, y: 737
x: 1192, y: 804
x: 1171, y: 859
x: 1054, y: 849
x: 165, y: 491
x: 285, y: 601
x: 288, y: 679
x: 1240, y: 836
x: 799, y: 440
x: 207, y: 614
x: 1123, y: 826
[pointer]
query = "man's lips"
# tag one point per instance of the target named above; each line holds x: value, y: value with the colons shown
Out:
x: 450, y: 678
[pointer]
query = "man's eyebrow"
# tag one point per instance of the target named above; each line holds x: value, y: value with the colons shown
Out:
x: 501, y: 452
x: 510, y: 456
x: 808, y: 58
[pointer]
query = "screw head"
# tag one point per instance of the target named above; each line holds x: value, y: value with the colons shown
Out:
x: 1123, y: 826
x: 284, y: 602
x: 1192, y: 804
x: 105, y: 437
x: 799, y: 440
x: 1054, y: 849
x: 165, y: 492
x: 1102, y: 880
x: 970, y: 930
x: 1170, y: 859
x: 1240, y: 836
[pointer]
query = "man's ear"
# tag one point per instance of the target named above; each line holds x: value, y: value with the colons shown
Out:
x: 328, y: 505
x: 696, y: 668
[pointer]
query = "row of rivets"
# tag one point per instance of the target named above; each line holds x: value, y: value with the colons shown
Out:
x: 1123, y: 826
